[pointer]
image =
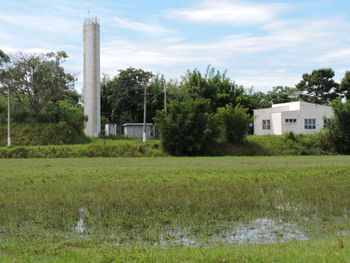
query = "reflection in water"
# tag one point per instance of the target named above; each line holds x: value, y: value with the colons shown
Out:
x: 259, y: 231
x: 80, y: 226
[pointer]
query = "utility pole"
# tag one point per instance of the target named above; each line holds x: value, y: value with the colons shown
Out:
x: 144, y: 135
x: 8, y: 118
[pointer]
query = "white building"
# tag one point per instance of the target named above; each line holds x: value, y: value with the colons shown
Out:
x: 298, y: 117
x: 91, y: 89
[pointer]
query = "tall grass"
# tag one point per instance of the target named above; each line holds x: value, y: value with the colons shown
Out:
x: 97, y: 148
x: 332, y: 250
x: 138, y: 196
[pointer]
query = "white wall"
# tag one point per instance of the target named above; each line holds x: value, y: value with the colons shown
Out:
x: 265, y: 114
x: 136, y: 131
x: 276, y: 123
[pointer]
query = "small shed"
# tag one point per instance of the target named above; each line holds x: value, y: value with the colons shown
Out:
x: 135, y: 130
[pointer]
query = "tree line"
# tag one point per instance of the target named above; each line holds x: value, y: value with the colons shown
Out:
x: 207, y: 105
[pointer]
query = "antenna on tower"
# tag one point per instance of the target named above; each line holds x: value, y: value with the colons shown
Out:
x: 89, y: 14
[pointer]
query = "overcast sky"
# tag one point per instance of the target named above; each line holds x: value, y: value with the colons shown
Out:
x: 260, y: 43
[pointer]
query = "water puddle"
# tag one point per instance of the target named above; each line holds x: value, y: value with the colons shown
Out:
x: 258, y: 231
x: 261, y: 231
x: 80, y: 226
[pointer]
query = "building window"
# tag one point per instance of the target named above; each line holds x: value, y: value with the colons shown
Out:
x: 310, y: 124
x: 290, y: 121
x: 266, y: 124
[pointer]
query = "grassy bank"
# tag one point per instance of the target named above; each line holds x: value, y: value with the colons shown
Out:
x: 96, y: 148
x: 276, y: 145
x: 314, y: 144
x: 332, y: 250
x: 27, y: 134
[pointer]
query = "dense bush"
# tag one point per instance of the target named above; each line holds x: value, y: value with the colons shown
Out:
x: 64, y: 111
x: 187, y: 128
x: 60, y: 122
x: 234, y: 123
x: 43, y: 134
x: 339, y: 126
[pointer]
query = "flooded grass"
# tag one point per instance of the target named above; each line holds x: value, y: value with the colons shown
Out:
x: 175, y: 202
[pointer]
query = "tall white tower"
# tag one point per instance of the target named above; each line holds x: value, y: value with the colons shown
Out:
x: 92, y: 89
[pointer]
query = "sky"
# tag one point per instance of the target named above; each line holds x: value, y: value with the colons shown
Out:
x: 261, y: 43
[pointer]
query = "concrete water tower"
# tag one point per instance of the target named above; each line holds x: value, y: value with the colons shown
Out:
x: 92, y: 89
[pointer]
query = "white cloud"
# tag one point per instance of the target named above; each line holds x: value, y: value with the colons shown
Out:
x: 266, y: 79
x: 340, y: 55
x: 278, y: 54
x: 152, y: 29
x: 43, y: 23
x: 278, y: 57
x: 230, y: 12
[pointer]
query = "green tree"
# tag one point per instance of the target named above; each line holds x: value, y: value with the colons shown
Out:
x: 233, y: 122
x: 3, y: 57
x: 319, y: 86
x: 344, y: 87
x: 187, y: 128
x: 124, y: 93
x: 282, y: 94
x: 339, y: 126
x: 251, y: 99
x: 106, y: 101
x: 155, y: 93
x: 214, y: 86
x: 122, y: 96
x: 38, y: 79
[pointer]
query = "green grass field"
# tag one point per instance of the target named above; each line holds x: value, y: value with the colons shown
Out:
x: 168, y: 209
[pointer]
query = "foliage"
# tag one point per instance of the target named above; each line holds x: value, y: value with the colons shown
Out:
x: 123, y: 95
x: 43, y: 134
x: 35, y: 80
x: 277, y: 145
x: 155, y: 99
x: 64, y: 111
x: 187, y: 128
x: 339, y: 126
x: 4, y: 58
x: 213, y: 86
x: 269, y: 145
x: 282, y: 94
x: 344, y: 87
x: 251, y: 99
x: 319, y: 86
x: 3, y: 109
x: 234, y: 123
x: 106, y: 100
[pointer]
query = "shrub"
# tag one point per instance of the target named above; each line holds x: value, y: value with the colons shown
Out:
x: 339, y: 126
x: 187, y: 128
x: 234, y: 123
x: 43, y: 134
